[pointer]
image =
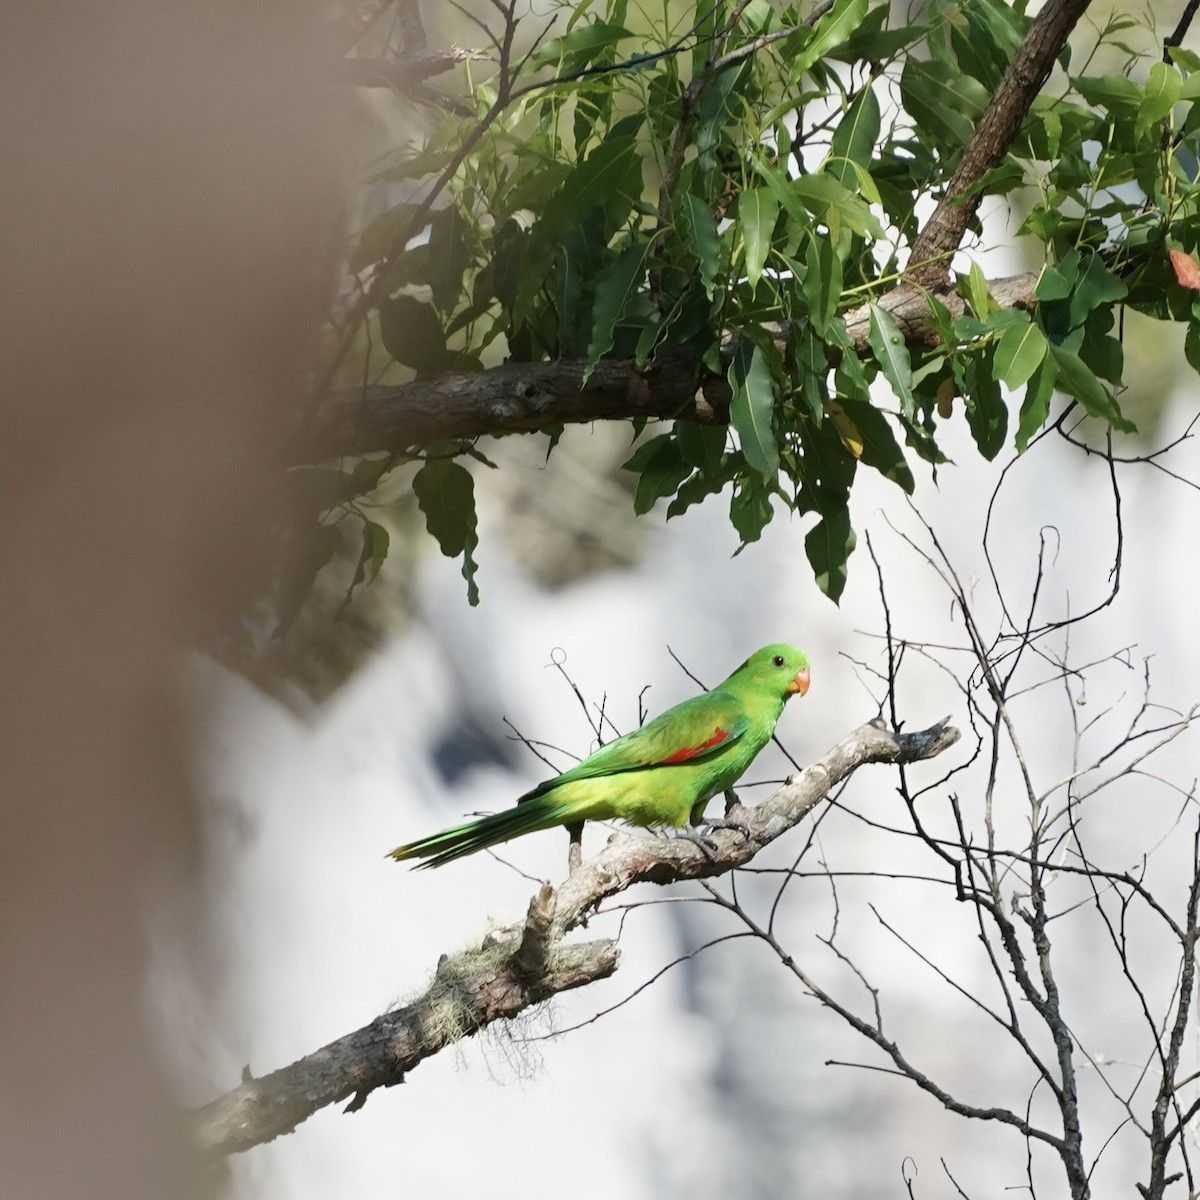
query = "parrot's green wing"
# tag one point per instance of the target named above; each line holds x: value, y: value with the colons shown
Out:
x: 692, y: 730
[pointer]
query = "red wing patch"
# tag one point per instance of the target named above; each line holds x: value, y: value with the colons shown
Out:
x: 719, y: 735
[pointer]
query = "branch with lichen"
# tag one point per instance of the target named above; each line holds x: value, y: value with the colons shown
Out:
x: 524, y: 397
x: 515, y: 968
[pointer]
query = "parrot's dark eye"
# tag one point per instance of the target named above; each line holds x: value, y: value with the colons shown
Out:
x: 778, y: 660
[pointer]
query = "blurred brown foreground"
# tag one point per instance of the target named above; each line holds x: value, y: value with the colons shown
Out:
x: 168, y: 190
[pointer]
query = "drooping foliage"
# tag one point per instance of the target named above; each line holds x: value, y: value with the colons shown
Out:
x: 736, y: 181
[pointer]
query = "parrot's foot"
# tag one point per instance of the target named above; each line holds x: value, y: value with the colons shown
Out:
x: 727, y: 822
x: 575, y: 848
x: 689, y: 833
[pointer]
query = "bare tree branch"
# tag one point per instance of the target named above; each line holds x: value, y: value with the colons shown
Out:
x: 468, y: 993
x: 354, y: 25
x: 403, y: 70
x: 511, y: 398
x: 516, y: 968
x: 1175, y: 37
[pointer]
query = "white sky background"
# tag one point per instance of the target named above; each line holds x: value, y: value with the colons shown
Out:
x: 323, y: 932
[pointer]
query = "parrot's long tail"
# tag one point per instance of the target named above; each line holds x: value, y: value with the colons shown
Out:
x: 460, y: 840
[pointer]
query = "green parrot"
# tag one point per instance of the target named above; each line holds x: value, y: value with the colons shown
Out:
x: 663, y: 774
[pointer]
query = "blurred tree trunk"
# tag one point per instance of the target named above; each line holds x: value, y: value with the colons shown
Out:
x: 168, y: 192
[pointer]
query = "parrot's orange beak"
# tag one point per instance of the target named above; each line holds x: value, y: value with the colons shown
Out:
x: 800, y: 683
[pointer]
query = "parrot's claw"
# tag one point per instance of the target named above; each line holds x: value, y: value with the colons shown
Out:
x: 728, y: 823
x: 689, y: 833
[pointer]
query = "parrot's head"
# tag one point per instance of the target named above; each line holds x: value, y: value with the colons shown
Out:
x: 780, y: 668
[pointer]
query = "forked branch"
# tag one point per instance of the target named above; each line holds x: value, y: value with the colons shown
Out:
x: 518, y: 967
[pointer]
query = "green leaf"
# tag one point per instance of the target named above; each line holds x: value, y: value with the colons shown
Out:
x: 449, y: 256
x: 1053, y: 285
x: 445, y: 493
x: 749, y: 509
x: 1102, y: 352
x: 1189, y: 60
x: 1191, y: 339
x: 784, y: 192
x: 942, y: 101
x: 1036, y: 406
x: 1002, y: 320
x: 877, y: 445
x: 698, y: 487
x: 864, y: 181
x: 829, y: 199
x: 702, y: 446
x: 378, y: 540
x: 829, y: 32
x: 986, y: 40
x: 851, y: 377
x: 662, y: 468
x: 469, y: 570
x: 698, y: 227
x: 987, y: 415
x: 412, y: 334
x: 757, y: 15
x: 753, y: 407
x: 617, y: 285
x: 642, y: 456
x: 1097, y: 285
x: 871, y: 43
x: 828, y: 545
x: 1163, y: 87
x: 382, y: 235
x: 1019, y: 353
x: 375, y: 542
x: 919, y: 434
x: 822, y: 282
x: 581, y: 46
x: 757, y: 212
x: 810, y: 371
x: 508, y: 254
x: 1076, y: 379
x: 606, y: 173
x: 1116, y: 93
x: 582, y: 258
x: 974, y: 285
x: 855, y: 137
x: 892, y: 355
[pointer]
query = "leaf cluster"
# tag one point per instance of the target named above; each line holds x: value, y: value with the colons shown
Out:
x: 736, y: 184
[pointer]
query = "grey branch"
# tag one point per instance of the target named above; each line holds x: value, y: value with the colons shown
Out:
x: 401, y: 71
x: 516, y: 968
x: 526, y: 397
x: 469, y: 991
x: 512, y: 398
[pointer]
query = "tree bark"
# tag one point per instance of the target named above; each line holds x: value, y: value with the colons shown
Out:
x: 528, y: 397
x: 929, y: 261
x: 515, y: 968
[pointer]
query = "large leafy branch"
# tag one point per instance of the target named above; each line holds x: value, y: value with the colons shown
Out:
x: 757, y: 301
